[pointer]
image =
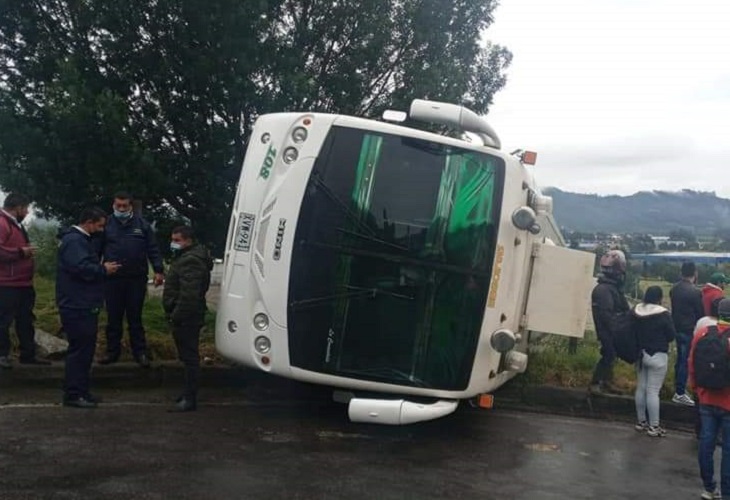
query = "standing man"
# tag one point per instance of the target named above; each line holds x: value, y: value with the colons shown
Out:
x: 608, y: 300
x: 184, y: 302
x: 714, y: 412
x: 129, y: 241
x: 17, y: 295
x: 80, y: 296
x: 687, y: 309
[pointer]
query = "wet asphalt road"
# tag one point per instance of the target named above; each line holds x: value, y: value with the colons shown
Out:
x: 306, y: 448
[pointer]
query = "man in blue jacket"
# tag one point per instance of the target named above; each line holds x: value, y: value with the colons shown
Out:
x: 80, y: 296
x: 130, y: 241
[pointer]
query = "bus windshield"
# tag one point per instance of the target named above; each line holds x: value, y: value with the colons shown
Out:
x: 392, y: 259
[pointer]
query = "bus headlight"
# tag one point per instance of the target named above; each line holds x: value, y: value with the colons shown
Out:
x: 290, y: 155
x: 261, y: 322
x: 525, y: 218
x: 262, y: 344
x: 266, y: 137
x: 503, y: 340
x: 232, y: 326
x: 299, y: 135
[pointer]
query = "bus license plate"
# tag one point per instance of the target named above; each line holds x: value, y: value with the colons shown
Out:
x: 245, y: 228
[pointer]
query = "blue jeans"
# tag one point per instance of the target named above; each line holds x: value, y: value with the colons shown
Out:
x: 713, y: 420
x: 680, y: 367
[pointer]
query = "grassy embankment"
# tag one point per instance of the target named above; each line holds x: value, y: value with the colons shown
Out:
x: 159, y: 338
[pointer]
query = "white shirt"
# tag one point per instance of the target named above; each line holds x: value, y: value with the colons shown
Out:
x: 82, y: 230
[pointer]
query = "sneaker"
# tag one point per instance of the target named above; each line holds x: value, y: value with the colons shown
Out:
x: 683, y: 399
x: 656, y: 431
x: 642, y: 426
x: 711, y: 495
x: 5, y: 363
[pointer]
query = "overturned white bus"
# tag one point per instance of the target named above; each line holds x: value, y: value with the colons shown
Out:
x: 403, y: 267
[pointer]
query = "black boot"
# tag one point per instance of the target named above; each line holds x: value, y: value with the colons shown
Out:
x: 189, y: 400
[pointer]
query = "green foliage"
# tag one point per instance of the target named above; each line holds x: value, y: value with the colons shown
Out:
x: 159, y: 96
x: 43, y: 237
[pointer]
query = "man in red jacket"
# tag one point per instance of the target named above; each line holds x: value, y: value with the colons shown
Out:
x: 713, y: 290
x: 715, y: 417
x: 17, y: 295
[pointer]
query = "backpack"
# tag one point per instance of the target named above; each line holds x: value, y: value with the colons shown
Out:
x: 625, y: 340
x: 711, y: 359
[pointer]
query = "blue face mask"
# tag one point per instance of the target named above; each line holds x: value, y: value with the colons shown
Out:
x: 175, y: 247
x: 122, y: 215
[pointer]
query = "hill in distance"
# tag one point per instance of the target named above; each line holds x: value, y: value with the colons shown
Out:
x: 652, y: 212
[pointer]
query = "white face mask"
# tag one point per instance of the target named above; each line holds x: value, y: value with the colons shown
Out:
x: 175, y: 247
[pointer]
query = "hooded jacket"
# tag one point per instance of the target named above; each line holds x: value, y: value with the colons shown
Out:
x: 80, y: 276
x: 187, y: 282
x: 654, y: 328
x: 687, y: 306
x: 606, y: 301
x: 16, y: 270
x: 710, y: 292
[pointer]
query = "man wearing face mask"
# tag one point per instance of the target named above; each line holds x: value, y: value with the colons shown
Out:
x: 17, y: 295
x: 129, y: 240
x: 184, y: 303
x: 79, y: 296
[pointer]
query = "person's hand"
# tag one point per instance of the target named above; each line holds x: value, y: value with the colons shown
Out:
x: 28, y: 252
x: 111, y: 267
x: 159, y: 279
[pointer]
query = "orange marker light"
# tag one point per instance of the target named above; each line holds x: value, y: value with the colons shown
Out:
x: 485, y: 401
x: 529, y: 157
x: 306, y: 121
x: 265, y: 360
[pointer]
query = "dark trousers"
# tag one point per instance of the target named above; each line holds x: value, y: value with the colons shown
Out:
x: 681, y: 370
x: 16, y: 304
x: 125, y: 296
x: 604, y: 369
x: 80, y: 326
x: 187, y: 342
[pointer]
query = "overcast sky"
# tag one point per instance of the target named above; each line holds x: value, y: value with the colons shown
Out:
x: 618, y: 96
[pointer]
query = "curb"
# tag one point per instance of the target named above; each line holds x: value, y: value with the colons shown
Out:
x: 260, y: 385
x: 580, y: 403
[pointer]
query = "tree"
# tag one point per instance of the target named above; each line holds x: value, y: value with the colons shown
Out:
x: 159, y: 96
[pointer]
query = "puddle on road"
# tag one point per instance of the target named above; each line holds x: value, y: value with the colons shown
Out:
x: 542, y: 447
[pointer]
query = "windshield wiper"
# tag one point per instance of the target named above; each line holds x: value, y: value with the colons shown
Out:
x: 332, y: 196
x: 354, y: 292
x: 373, y: 239
x: 384, y: 371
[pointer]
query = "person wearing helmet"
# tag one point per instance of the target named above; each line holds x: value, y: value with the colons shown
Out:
x: 607, y: 300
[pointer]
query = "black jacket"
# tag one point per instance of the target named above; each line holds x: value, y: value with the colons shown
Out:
x: 687, y: 306
x: 80, y: 275
x: 187, y: 282
x: 654, y: 328
x: 131, y: 243
x: 606, y: 300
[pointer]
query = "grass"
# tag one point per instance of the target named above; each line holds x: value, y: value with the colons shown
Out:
x: 159, y: 337
x: 551, y: 363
